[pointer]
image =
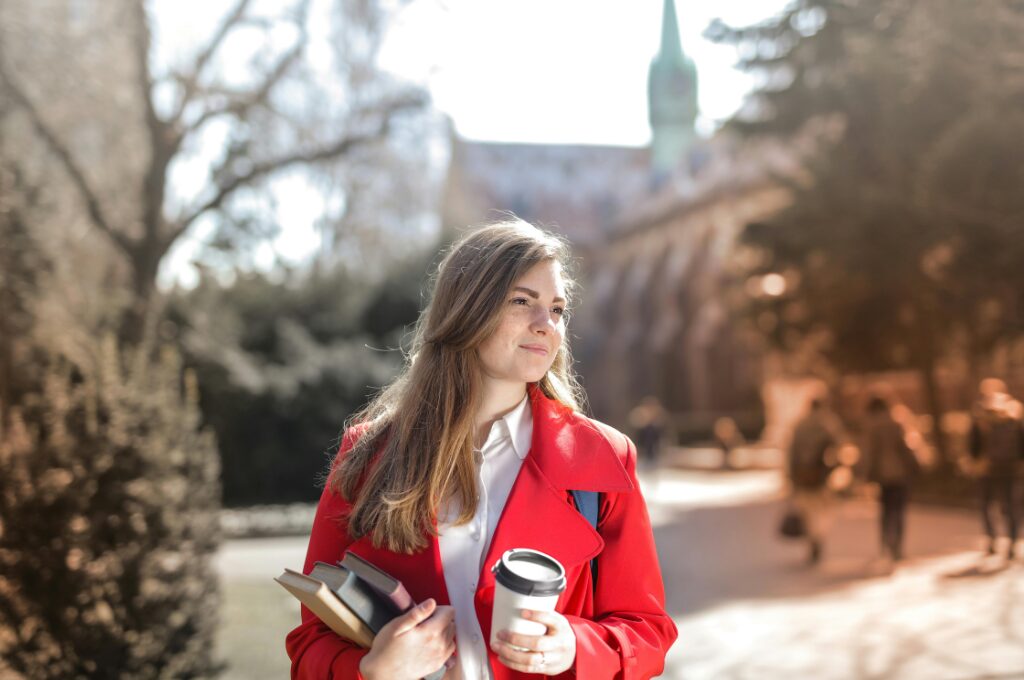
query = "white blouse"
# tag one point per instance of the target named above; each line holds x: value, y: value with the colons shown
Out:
x: 463, y: 547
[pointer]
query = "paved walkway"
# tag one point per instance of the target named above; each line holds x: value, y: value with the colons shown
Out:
x: 747, y: 607
x: 745, y: 604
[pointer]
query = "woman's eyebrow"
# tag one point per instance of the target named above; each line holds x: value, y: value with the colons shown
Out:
x: 534, y: 294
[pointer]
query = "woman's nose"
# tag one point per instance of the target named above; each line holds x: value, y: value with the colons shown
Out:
x: 542, y: 320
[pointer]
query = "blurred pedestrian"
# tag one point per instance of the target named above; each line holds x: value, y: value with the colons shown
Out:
x: 809, y: 465
x: 891, y: 464
x: 648, y: 422
x: 727, y: 437
x: 996, y: 444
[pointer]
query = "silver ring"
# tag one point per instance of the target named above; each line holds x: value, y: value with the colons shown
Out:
x: 542, y: 660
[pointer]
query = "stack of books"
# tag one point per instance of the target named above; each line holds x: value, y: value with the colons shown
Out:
x: 354, y: 598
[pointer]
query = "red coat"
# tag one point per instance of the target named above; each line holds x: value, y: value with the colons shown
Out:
x: 622, y: 630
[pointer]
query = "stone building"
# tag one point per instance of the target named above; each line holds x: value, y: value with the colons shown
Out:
x: 657, y: 319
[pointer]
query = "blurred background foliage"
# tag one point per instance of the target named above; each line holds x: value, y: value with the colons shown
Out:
x: 115, y: 387
x: 109, y: 495
x: 900, y: 247
x: 283, y: 363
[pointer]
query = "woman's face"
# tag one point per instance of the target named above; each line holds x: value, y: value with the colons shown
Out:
x: 531, y: 330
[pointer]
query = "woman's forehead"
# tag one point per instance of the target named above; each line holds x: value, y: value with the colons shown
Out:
x: 544, y: 278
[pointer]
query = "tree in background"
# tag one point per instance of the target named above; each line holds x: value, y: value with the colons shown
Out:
x: 899, y: 248
x: 209, y: 142
x: 108, y: 496
x: 108, y: 484
x: 21, y: 268
x: 282, y: 364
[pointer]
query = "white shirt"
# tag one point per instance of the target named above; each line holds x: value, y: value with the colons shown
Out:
x: 463, y: 547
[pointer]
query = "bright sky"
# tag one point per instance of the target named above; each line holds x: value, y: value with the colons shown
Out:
x: 544, y: 71
x: 561, y: 71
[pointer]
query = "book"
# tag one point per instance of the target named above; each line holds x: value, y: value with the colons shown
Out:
x: 373, y: 608
x: 322, y: 601
x: 341, y: 598
x: 379, y: 580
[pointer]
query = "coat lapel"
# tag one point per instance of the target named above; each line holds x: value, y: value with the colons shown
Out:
x: 566, y: 453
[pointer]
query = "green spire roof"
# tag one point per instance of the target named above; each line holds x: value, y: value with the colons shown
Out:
x: 671, y: 96
x: 671, y: 49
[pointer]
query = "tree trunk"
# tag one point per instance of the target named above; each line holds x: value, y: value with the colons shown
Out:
x: 145, y: 262
x: 935, y: 410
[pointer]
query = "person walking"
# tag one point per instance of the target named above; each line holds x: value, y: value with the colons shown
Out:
x: 996, y: 445
x: 648, y: 422
x: 891, y: 465
x: 728, y: 438
x: 808, y: 468
x: 474, y: 450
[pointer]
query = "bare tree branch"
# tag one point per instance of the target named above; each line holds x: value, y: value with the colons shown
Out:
x: 161, y: 143
x: 141, y: 44
x: 242, y: 103
x: 190, y: 83
x: 63, y: 154
x: 258, y: 171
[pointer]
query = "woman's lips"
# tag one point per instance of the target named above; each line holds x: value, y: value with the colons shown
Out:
x: 536, y: 349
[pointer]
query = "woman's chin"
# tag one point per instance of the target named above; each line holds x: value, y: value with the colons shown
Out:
x: 536, y: 376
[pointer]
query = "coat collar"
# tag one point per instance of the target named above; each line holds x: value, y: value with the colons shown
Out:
x: 569, y: 449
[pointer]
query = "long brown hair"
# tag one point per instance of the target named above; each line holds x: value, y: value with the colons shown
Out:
x: 417, y: 448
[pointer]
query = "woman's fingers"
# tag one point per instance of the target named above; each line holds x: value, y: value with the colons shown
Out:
x: 552, y: 620
x: 440, y: 622
x: 549, y: 654
x: 533, y: 643
x: 414, y: 616
x: 520, y: 660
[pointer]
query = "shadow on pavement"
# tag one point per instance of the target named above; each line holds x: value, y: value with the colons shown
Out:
x: 983, y: 568
x: 723, y: 553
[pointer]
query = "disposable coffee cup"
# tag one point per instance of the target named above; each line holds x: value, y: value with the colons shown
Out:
x: 524, y: 579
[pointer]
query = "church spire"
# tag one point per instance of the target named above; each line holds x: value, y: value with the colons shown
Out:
x: 671, y: 49
x: 672, y: 97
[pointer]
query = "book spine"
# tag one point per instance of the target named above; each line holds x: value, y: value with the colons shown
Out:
x: 397, y: 594
x: 372, y: 610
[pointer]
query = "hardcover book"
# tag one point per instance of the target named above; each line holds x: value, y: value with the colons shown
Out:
x: 354, y: 598
x: 322, y: 601
x: 372, y: 608
x: 381, y: 581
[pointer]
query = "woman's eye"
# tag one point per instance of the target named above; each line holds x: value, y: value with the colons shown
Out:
x: 521, y: 301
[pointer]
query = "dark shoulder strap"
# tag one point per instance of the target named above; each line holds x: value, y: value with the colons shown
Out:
x: 588, y: 503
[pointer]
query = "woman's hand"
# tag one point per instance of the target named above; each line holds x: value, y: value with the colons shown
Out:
x: 412, y: 645
x: 548, y: 654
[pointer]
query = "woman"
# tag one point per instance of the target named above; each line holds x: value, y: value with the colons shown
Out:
x: 892, y: 465
x: 484, y: 424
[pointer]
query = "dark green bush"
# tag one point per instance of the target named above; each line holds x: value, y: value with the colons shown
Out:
x: 108, y: 500
x: 282, y: 364
x: 108, y: 493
